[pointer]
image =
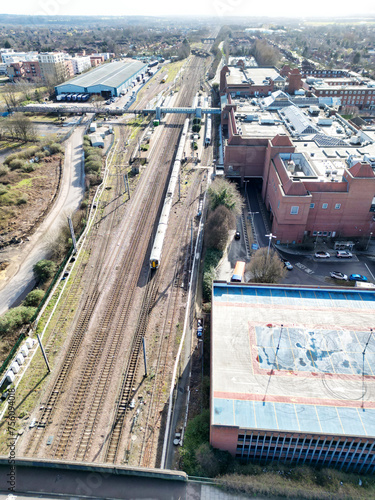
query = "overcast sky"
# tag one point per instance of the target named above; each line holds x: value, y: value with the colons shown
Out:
x: 218, y: 8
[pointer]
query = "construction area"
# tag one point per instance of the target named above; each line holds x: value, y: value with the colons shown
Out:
x: 296, y: 381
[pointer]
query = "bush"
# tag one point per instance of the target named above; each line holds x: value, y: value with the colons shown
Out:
x: 16, y: 163
x: 92, y: 166
x: 196, y: 128
x: 28, y: 167
x: 55, y: 148
x: 3, y: 189
x: 197, y: 433
x: 218, y: 224
x: 34, y: 298
x: 211, y: 260
x: 23, y: 200
x: 10, y: 158
x: 15, y: 318
x: 95, y: 158
x: 44, y: 270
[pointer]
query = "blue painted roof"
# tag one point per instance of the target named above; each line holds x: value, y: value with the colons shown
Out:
x: 285, y: 374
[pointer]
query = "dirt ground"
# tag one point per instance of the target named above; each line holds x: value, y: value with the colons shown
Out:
x: 28, y: 198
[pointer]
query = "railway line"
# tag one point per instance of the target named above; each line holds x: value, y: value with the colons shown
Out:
x: 104, y: 323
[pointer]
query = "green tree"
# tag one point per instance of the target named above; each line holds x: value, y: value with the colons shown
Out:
x: 7, y: 45
x: 218, y: 224
x: 34, y: 298
x: 223, y: 192
x: 44, y: 270
x: 15, y: 318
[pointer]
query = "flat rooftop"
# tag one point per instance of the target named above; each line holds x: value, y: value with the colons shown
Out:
x: 111, y: 74
x: 257, y: 75
x: 291, y: 359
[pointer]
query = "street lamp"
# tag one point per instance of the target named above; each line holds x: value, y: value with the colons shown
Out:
x: 269, y: 236
x: 369, y: 239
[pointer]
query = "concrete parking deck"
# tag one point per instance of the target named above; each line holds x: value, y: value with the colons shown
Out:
x: 291, y: 359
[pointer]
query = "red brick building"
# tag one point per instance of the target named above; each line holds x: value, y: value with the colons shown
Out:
x: 29, y: 70
x: 310, y: 184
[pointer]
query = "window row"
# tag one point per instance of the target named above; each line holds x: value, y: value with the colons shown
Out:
x: 294, y: 210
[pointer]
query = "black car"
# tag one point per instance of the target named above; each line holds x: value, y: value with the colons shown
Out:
x: 237, y: 236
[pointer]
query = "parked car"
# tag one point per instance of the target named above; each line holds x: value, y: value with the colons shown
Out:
x: 288, y: 265
x: 199, y: 328
x: 338, y: 276
x: 357, y: 277
x: 322, y: 255
x: 237, y: 236
x: 344, y: 254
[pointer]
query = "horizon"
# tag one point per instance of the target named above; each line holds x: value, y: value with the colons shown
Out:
x: 214, y: 9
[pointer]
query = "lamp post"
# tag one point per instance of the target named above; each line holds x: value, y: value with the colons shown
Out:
x: 270, y: 236
x: 368, y: 242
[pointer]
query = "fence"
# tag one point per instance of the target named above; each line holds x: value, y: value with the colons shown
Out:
x: 23, y: 335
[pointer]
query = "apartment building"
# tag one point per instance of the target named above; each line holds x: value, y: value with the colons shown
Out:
x: 52, y: 66
x: 29, y: 70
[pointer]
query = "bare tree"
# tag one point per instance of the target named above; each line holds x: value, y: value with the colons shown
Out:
x: 10, y: 95
x: 20, y: 127
x: 97, y: 102
x: 266, y: 267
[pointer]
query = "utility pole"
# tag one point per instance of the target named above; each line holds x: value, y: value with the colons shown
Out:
x: 43, y: 352
x: 126, y: 182
x: 144, y: 354
x: 72, y: 234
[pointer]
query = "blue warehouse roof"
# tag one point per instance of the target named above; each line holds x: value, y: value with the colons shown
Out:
x: 111, y: 74
x: 291, y: 359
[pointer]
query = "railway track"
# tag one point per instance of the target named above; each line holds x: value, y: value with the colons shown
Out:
x: 112, y: 451
x: 168, y: 328
x: 77, y: 431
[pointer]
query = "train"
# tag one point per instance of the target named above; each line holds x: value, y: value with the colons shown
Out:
x: 157, y: 247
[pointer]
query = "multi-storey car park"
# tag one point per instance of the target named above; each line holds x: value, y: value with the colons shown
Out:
x: 292, y: 374
x: 315, y: 168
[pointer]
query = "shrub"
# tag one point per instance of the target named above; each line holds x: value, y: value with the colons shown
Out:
x: 3, y: 189
x: 22, y: 200
x: 55, y: 148
x: 4, y: 170
x: 84, y: 204
x: 15, y: 164
x: 211, y: 260
x: 197, y: 433
x: 44, y: 269
x: 28, y: 167
x: 92, y: 166
x: 196, y: 128
x: 10, y: 158
x: 34, y: 298
x: 95, y: 158
x: 15, y: 318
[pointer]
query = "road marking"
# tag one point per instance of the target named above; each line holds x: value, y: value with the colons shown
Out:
x: 304, y: 268
x: 370, y: 271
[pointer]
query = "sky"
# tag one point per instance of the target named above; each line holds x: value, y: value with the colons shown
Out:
x: 217, y: 8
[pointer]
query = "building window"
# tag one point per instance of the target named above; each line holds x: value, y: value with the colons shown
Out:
x: 337, y: 206
x: 294, y: 210
x: 312, y: 205
x: 325, y: 205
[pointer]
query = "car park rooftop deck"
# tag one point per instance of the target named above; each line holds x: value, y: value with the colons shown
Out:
x: 291, y: 359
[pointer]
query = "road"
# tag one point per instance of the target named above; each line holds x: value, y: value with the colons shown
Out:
x: 19, y: 279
